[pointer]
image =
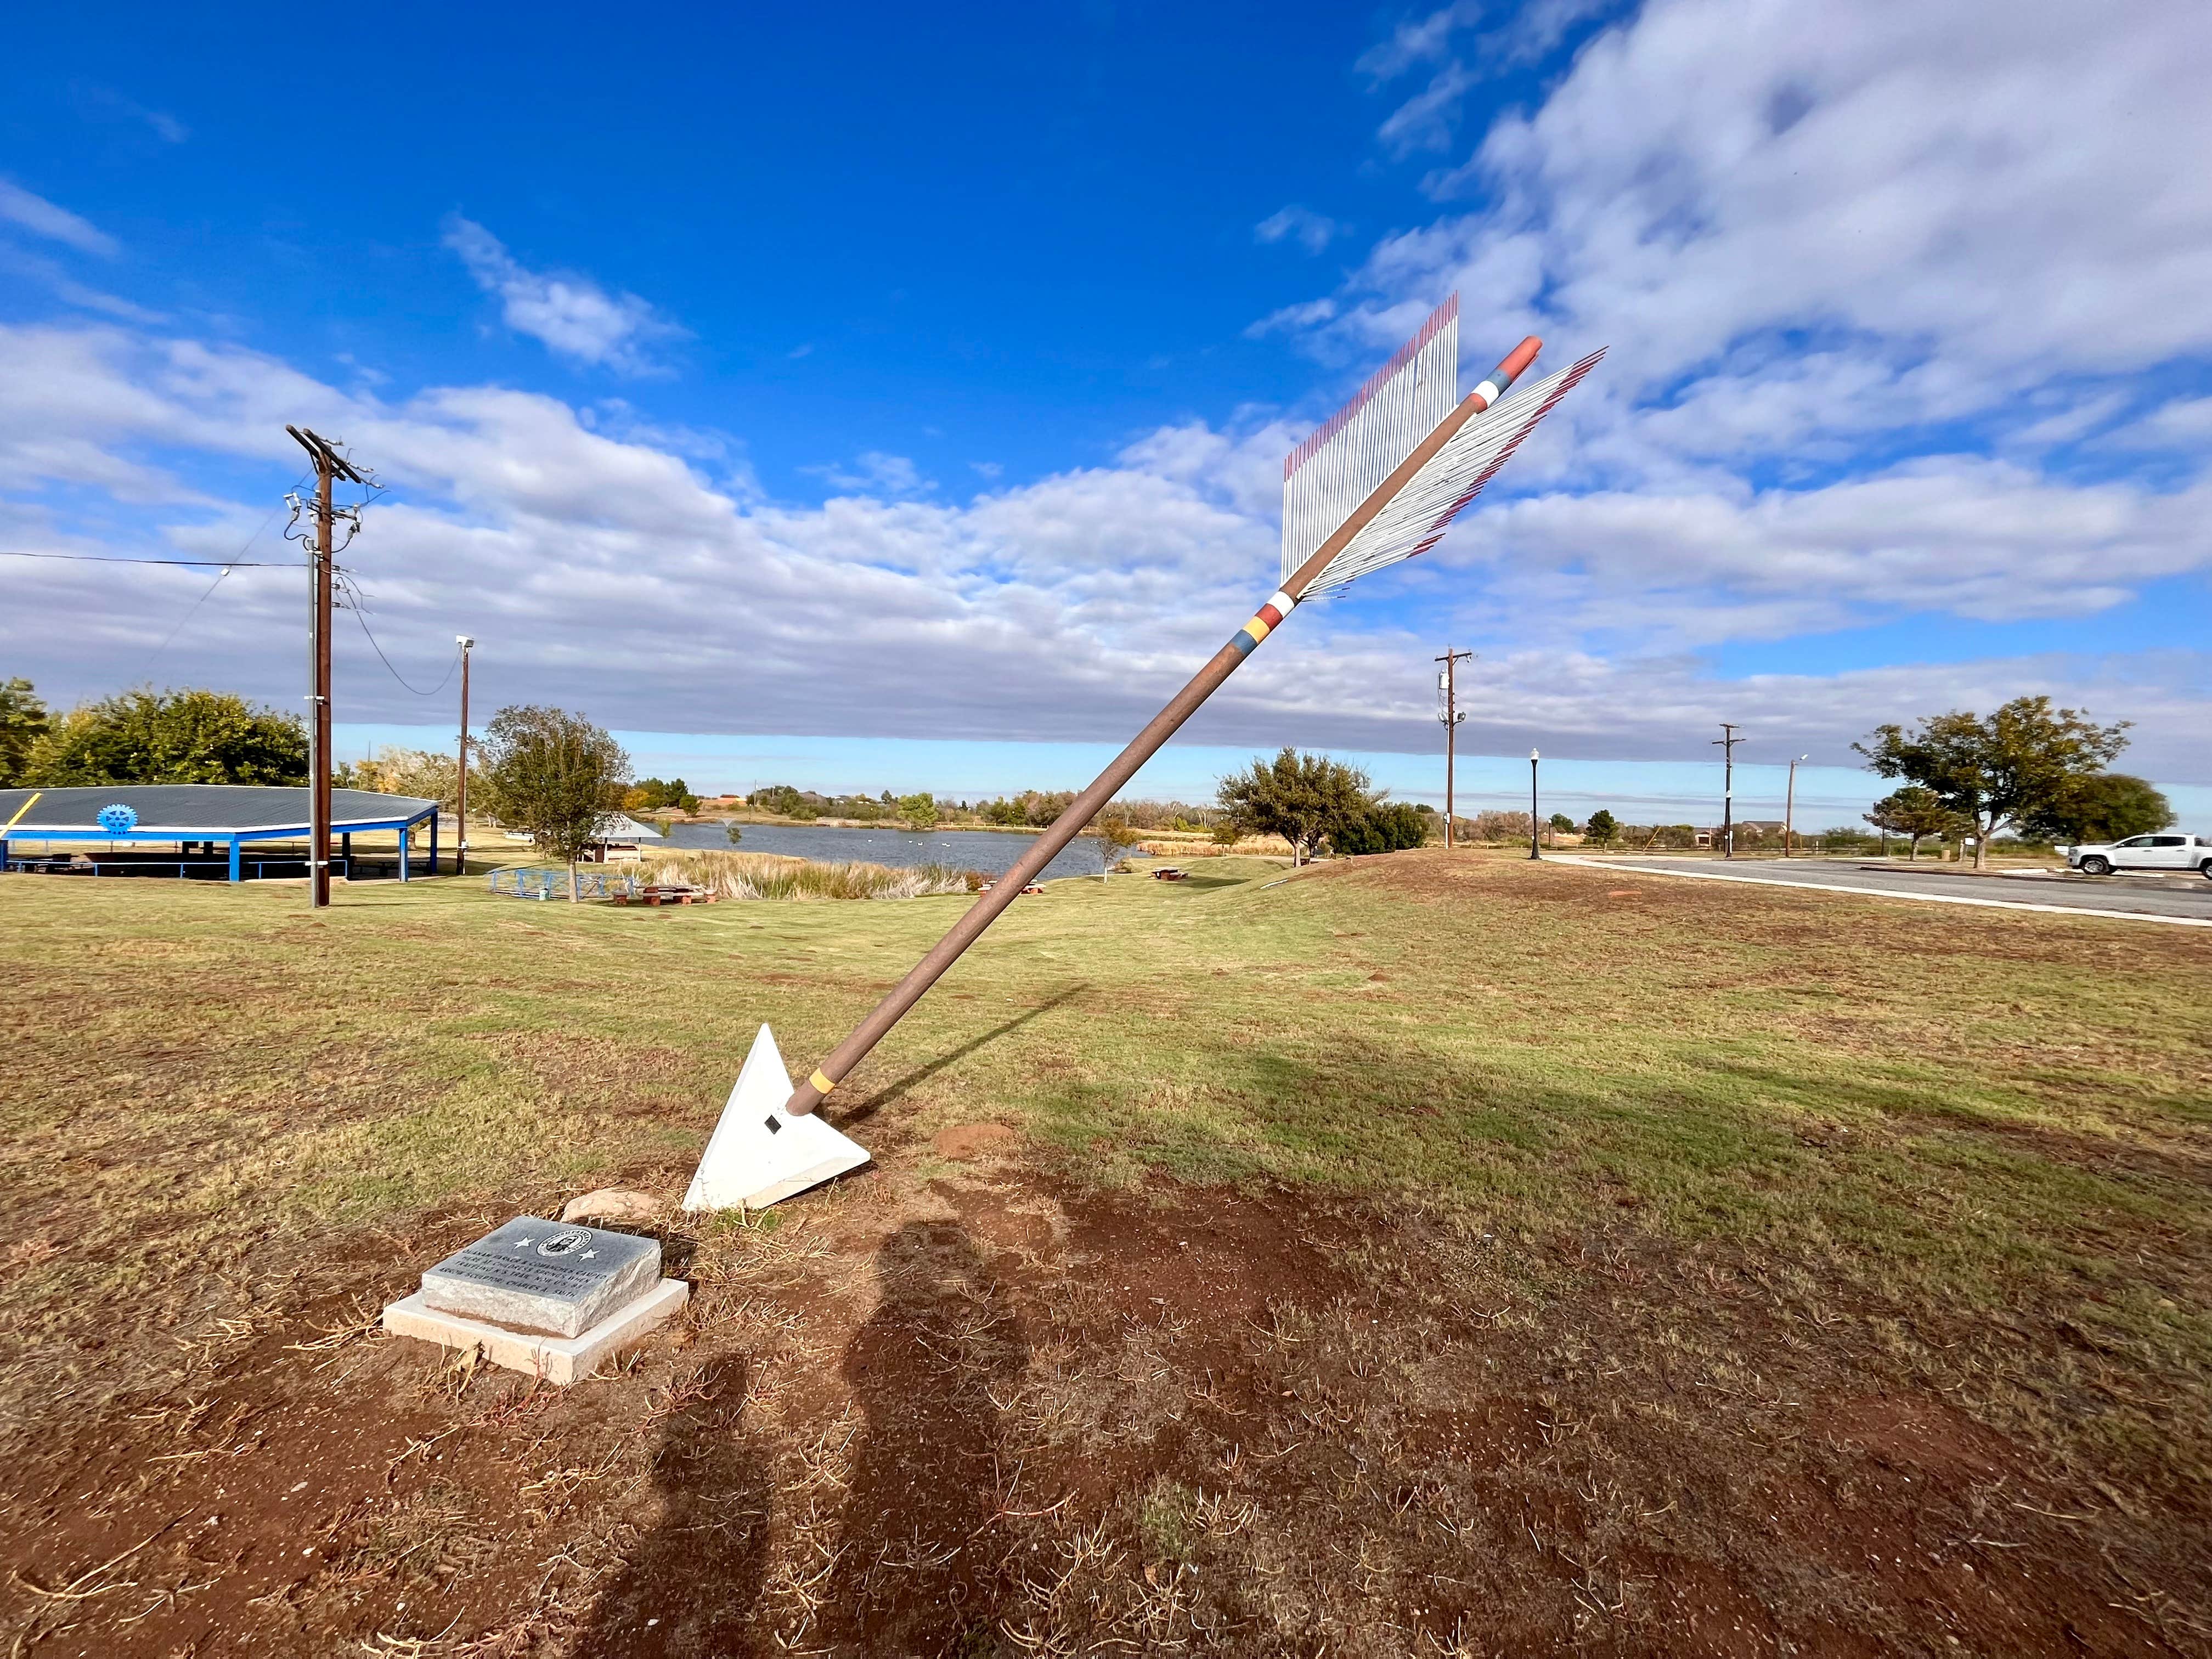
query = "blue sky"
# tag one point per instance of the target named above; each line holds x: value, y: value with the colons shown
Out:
x: 901, y: 395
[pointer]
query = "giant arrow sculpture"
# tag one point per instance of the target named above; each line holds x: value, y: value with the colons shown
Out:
x: 1378, y: 482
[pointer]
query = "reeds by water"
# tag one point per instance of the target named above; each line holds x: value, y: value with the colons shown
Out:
x: 774, y: 877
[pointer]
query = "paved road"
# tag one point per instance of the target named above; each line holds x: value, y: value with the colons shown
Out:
x: 2184, y: 899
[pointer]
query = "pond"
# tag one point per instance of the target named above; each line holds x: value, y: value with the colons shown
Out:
x: 991, y: 851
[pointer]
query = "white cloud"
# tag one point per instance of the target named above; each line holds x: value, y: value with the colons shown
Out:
x: 104, y: 103
x: 602, y: 570
x: 1427, y: 119
x: 1306, y: 313
x: 1876, y: 282
x: 891, y: 475
x: 1311, y: 231
x: 1900, y: 178
x: 571, y: 315
x: 42, y: 218
x: 2181, y: 423
x: 1422, y: 40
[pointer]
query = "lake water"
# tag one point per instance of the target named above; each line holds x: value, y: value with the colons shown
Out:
x: 991, y: 851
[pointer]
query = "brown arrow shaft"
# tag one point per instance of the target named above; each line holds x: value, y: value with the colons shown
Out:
x: 1085, y: 806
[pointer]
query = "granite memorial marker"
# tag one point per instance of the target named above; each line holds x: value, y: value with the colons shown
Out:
x: 549, y: 1298
x: 536, y: 1275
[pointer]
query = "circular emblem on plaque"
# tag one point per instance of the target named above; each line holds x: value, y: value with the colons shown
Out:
x: 565, y: 1243
x: 119, y: 820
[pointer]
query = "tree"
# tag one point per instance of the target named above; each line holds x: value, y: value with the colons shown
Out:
x: 652, y: 795
x: 1914, y: 812
x: 553, y: 774
x: 169, y: 737
x: 1116, y: 835
x: 2096, y: 806
x: 22, y: 723
x: 1390, y: 827
x: 1300, y: 797
x: 1561, y: 823
x: 918, y: 812
x: 784, y: 801
x: 737, y: 834
x: 414, y: 772
x: 1503, y: 826
x: 1602, y: 829
x: 1995, y: 772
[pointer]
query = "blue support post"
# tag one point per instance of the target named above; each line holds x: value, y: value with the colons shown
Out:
x: 233, y: 858
x: 433, y: 843
x: 402, y: 852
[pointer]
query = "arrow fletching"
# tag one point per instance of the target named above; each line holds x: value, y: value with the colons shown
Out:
x: 1336, y: 469
x: 1331, y: 474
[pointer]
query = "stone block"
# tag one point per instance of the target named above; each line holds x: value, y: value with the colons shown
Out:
x: 557, y: 1360
x: 555, y: 1278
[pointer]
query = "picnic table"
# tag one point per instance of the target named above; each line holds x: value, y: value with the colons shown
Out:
x: 1169, y: 872
x: 1031, y: 888
x: 673, y: 892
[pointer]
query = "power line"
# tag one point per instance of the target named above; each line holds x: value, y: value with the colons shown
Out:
x: 97, y: 558
x: 386, y: 661
x: 243, y: 549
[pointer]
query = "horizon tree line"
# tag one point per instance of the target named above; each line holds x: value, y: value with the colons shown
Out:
x: 2029, y: 767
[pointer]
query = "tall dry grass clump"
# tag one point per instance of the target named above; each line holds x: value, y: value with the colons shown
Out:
x: 772, y: 876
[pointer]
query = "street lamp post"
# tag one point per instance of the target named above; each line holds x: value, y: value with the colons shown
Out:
x: 1535, y: 852
x: 1789, y: 813
x: 461, y: 797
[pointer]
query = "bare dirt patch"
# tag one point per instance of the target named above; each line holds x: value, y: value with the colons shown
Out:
x: 967, y: 1141
x: 993, y: 1413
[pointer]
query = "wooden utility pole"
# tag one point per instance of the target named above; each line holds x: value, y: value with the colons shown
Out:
x: 1726, y: 743
x: 1448, y: 683
x: 461, y: 805
x: 321, y: 556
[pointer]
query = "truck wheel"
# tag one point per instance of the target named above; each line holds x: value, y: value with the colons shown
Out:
x: 2093, y: 867
x: 2205, y: 869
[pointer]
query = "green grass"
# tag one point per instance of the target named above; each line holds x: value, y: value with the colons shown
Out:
x: 1966, y: 1112
x: 1581, y: 1240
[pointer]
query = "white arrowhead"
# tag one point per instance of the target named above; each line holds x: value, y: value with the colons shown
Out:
x: 757, y: 1154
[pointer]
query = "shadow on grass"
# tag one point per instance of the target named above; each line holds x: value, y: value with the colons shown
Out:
x: 690, y: 1585
x: 894, y: 1090
x: 928, y: 1467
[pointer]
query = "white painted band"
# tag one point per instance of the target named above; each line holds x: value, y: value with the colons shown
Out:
x: 1282, y: 602
x: 1489, y: 392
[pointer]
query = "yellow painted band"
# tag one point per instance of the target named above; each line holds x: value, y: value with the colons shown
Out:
x: 24, y: 808
x: 1258, y: 629
x: 822, y: 1084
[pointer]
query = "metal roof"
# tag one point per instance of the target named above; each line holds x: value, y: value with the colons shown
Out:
x: 620, y: 826
x: 193, y: 811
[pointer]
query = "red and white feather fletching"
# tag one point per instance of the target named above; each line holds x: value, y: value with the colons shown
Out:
x: 1328, y: 475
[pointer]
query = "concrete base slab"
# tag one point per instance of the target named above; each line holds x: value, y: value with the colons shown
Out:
x: 560, y: 1359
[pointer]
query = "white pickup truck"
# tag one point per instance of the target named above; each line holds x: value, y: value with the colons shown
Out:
x: 2164, y: 852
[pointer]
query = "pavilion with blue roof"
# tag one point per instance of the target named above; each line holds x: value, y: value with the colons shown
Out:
x: 117, y: 829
